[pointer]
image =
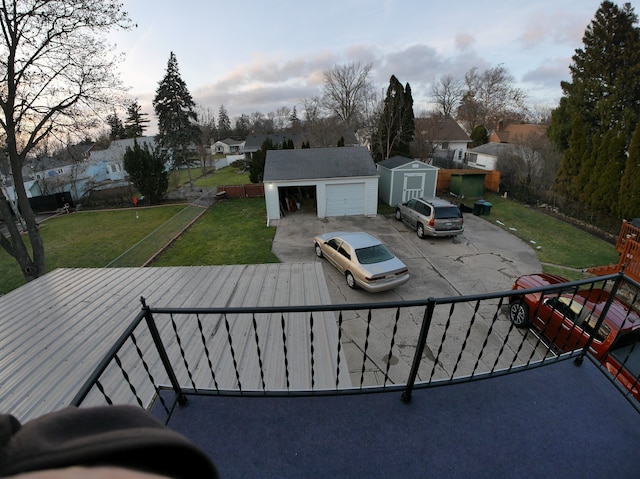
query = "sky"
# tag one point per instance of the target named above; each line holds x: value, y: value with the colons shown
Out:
x: 258, y: 56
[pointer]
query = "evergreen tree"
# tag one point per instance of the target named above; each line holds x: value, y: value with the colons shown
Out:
x: 116, y: 127
x: 306, y: 144
x: 146, y: 172
x: 608, y: 186
x: 396, y: 126
x: 566, y: 181
x: 224, y: 123
x: 341, y: 141
x: 256, y: 167
x: 174, y: 108
x: 603, y: 96
x: 479, y: 135
x: 407, y: 123
x: 629, y: 197
x: 136, y: 121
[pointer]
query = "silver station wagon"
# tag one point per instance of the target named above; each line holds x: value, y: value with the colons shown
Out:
x: 431, y: 217
x: 363, y: 259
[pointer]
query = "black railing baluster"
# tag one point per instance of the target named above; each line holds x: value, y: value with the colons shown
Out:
x: 422, y: 341
x: 366, y: 346
x: 183, y: 354
x: 339, y: 349
x: 393, y: 339
x: 207, y: 353
x: 255, y: 333
x: 284, y: 349
x: 313, y: 377
x: 442, y: 340
x: 233, y: 353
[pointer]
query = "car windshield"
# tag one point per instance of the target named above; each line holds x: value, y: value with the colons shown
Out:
x: 374, y: 254
x: 447, y: 212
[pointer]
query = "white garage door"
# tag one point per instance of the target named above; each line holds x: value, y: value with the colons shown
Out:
x: 345, y: 199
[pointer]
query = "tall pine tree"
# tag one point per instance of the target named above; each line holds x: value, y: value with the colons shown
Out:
x: 629, y: 204
x: 396, y: 125
x: 177, y: 119
x: 136, y: 121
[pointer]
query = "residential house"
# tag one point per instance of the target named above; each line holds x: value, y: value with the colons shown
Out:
x: 440, y: 136
x: 228, y: 146
x: 520, y: 134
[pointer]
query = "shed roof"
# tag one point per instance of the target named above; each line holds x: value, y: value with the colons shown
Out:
x: 398, y: 161
x: 318, y: 163
x: 56, y: 329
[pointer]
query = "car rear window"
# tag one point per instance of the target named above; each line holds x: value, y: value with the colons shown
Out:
x: 448, y: 212
x: 374, y: 254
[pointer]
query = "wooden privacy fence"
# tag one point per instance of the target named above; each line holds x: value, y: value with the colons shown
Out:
x: 243, y: 191
x: 491, y: 179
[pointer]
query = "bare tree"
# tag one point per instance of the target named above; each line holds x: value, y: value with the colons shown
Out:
x: 345, y: 89
x: 311, y: 109
x: 57, y: 71
x: 490, y: 97
x: 447, y: 92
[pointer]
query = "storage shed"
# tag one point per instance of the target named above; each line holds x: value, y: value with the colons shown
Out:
x: 403, y: 178
x: 338, y: 181
x: 467, y: 184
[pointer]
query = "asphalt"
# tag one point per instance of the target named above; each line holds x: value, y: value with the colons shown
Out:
x: 486, y: 258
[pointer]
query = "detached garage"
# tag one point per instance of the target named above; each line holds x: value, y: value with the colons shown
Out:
x: 340, y: 181
x: 403, y: 178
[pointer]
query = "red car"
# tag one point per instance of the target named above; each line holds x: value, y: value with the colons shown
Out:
x: 567, y: 319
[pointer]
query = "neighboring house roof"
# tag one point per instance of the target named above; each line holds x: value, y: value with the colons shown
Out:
x: 230, y: 142
x: 517, y: 133
x: 441, y: 128
x: 496, y: 149
x: 395, y: 162
x: 117, y: 148
x: 316, y: 163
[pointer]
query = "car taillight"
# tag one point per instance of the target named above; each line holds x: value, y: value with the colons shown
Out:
x: 382, y: 276
x: 432, y: 222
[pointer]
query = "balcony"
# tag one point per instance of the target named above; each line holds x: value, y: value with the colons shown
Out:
x: 265, y: 395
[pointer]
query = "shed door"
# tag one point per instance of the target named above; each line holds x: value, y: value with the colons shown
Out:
x: 345, y: 199
x: 413, y: 186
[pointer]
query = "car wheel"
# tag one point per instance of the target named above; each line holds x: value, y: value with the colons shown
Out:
x: 420, y: 230
x: 318, y: 251
x: 351, y: 281
x: 398, y: 215
x: 519, y: 313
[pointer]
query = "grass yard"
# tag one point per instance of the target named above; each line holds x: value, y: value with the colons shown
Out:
x: 88, y: 239
x: 555, y: 242
x: 233, y: 232
x: 224, y: 176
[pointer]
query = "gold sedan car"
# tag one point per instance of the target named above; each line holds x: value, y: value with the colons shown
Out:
x: 363, y: 259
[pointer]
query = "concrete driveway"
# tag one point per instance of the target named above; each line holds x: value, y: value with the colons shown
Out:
x: 483, y: 259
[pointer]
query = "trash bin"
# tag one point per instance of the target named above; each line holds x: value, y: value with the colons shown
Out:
x: 477, y: 207
x: 486, y: 208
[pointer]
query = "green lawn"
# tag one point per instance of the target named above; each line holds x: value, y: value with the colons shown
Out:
x: 88, y: 239
x: 224, y: 176
x: 233, y: 232
x: 555, y: 242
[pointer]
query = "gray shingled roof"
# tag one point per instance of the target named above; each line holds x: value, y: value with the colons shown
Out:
x: 495, y: 149
x: 316, y: 163
x: 395, y: 162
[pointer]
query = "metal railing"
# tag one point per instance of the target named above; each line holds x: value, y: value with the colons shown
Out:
x: 165, y: 354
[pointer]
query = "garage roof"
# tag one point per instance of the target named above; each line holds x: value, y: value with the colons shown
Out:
x: 318, y: 163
